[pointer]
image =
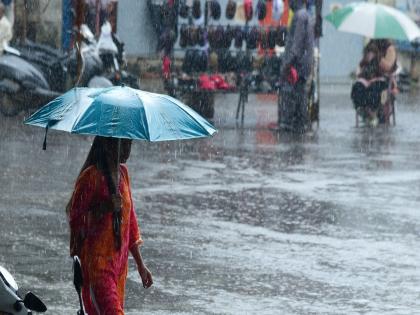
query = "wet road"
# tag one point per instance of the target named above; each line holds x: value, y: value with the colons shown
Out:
x: 249, y: 222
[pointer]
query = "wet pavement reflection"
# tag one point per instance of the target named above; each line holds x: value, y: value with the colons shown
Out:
x: 249, y: 222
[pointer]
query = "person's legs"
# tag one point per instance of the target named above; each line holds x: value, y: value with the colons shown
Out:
x: 104, y: 293
x: 286, y: 107
x: 300, y: 118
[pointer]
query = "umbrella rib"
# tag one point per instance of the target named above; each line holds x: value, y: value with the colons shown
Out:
x: 145, y: 117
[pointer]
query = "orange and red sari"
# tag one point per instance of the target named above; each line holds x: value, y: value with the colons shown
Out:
x: 104, y: 267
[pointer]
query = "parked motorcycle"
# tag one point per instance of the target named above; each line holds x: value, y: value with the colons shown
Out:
x: 33, y: 74
x: 111, y: 50
x: 21, y: 84
x: 11, y: 302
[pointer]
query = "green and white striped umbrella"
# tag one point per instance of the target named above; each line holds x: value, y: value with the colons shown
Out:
x: 374, y: 21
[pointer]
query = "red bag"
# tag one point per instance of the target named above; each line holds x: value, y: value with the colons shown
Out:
x: 293, y: 76
x: 166, y: 67
x: 248, y: 9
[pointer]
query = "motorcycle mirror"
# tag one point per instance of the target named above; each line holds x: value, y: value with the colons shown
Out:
x: 32, y: 302
x: 78, y: 277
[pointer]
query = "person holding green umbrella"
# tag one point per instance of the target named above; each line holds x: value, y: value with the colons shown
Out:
x: 380, y: 23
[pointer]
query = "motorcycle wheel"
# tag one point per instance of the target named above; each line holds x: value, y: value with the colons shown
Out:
x: 8, y: 106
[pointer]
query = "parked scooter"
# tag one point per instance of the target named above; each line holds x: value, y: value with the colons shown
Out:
x: 111, y: 50
x: 60, y: 69
x: 21, y: 84
x: 12, y: 304
x: 33, y: 74
x: 10, y: 300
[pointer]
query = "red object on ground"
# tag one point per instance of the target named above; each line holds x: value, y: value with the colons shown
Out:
x: 293, y: 77
x: 220, y: 82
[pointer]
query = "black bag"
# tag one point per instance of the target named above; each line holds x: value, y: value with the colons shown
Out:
x: 227, y: 62
x: 230, y: 9
x: 228, y: 36
x: 264, y: 38
x: 252, y: 38
x: 281, y: 36
x: 183, y: 9
x: 272, y: 37
x: 167, y: 40
x: 196, y: 9
x: 183, y: 36
x: 188, y: 63
x: 261, y: 9
x: 201, y: 36
x: 239, y: 37
x: 211, y: 36
x: 215, y: 10
x: 192, y: 35
x: 243, y: 62
x: 200, y: 61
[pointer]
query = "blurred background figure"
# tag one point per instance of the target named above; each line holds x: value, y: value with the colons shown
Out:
x: 9, y: 10
x: 6, y: 33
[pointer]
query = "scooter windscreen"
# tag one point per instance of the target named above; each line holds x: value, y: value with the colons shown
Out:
x: 8, y: 279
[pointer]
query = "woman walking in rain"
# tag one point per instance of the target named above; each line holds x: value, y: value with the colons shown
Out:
x: 104, y: 228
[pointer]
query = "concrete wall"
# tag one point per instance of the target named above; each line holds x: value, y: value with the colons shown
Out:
x: 135, y: 28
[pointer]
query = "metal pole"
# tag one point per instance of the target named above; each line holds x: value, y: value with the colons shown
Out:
x: 78, y: 23
x: 25, y: 20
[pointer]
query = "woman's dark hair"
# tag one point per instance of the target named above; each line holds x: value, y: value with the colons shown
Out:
x: 98, y: 156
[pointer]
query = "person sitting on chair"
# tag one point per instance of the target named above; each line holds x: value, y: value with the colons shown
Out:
x: 378, y: 64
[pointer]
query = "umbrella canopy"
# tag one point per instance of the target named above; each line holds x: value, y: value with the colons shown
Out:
x: 122, y: 112
x: 374, y: 21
